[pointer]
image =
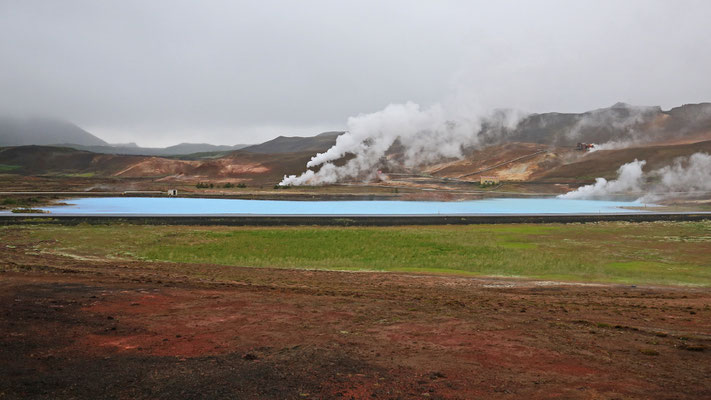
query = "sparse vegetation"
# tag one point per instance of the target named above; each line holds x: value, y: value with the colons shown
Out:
x: 230, y: 185
x: 81, y: 175
x: 8, y: 168
x: 18, y: 201
x: 27, y: 210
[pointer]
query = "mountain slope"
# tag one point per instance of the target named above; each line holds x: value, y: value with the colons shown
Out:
x: 237, y: 166
x: 177, y: 150
x: 43, y: 131
x: 294, y: 144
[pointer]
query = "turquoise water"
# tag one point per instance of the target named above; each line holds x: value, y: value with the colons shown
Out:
x: 195, y: 206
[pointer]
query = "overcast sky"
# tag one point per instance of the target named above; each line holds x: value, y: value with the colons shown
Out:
x: 227, y: 72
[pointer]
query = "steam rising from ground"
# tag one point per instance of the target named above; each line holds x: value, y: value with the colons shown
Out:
x: 685, y: 177
x: 409, y: 135
x: 426, y: 135
x: 611, y: 145
x: 629, y: 179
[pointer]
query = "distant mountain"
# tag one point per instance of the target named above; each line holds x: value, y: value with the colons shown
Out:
x: 296, y: 144
x: 48, y: 131
x: 130, y: 144
x: 190, y: 148
x: 179, y: 149
x: 43, y: 131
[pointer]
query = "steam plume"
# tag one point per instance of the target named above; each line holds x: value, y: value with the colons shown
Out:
x: 629, y: 178
x: 684, y: 177
x: 426, y: 134
x: 690, y: 175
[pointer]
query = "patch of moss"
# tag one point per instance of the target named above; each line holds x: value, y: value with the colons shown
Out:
x: 8, y: 168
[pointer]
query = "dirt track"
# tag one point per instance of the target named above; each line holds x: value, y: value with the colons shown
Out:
x: 98, y: 329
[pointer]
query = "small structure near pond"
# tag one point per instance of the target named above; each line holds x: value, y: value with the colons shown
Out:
x: 585, y: 146
x: 488, y: 181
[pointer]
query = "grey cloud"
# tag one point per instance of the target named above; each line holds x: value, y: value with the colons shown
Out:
x: 168, y: 71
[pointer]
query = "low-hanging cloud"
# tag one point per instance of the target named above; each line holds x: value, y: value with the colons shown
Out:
x: 686, y: 176
x: 170, y: 71
x: 626, y: 122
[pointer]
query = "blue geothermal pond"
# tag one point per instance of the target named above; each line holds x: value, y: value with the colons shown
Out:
x: 196, y: 206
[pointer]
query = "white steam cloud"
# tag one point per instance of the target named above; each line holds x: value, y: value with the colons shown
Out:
x: 426, y: 135
x: 629, y: 179
x: 687, y: 176
x: 611, y: 145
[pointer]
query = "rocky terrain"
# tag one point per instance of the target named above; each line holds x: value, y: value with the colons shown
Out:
x: 82, y: 328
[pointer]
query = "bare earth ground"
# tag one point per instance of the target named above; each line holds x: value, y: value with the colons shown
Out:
x: 76, y: 328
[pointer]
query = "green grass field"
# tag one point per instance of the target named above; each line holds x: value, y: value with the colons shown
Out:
x: 645, y: 253
x: 7, y: 168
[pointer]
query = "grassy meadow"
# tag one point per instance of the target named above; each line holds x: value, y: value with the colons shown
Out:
x: 620, y: 252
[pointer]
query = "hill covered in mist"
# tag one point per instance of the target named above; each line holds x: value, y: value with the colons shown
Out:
x: 617, y: 126
x: 177, y: 150
x: 16, y: 131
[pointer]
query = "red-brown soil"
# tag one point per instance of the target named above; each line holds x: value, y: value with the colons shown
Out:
x: 128, y: 329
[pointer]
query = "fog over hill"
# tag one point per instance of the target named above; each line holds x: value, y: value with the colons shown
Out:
x: 178, y: 149
x: 48, y: 131
x: 618, y: 126
x: 16, y: 131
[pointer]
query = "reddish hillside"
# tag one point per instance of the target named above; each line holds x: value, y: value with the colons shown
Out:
x: 41, y: 160
x: 237, y: 166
